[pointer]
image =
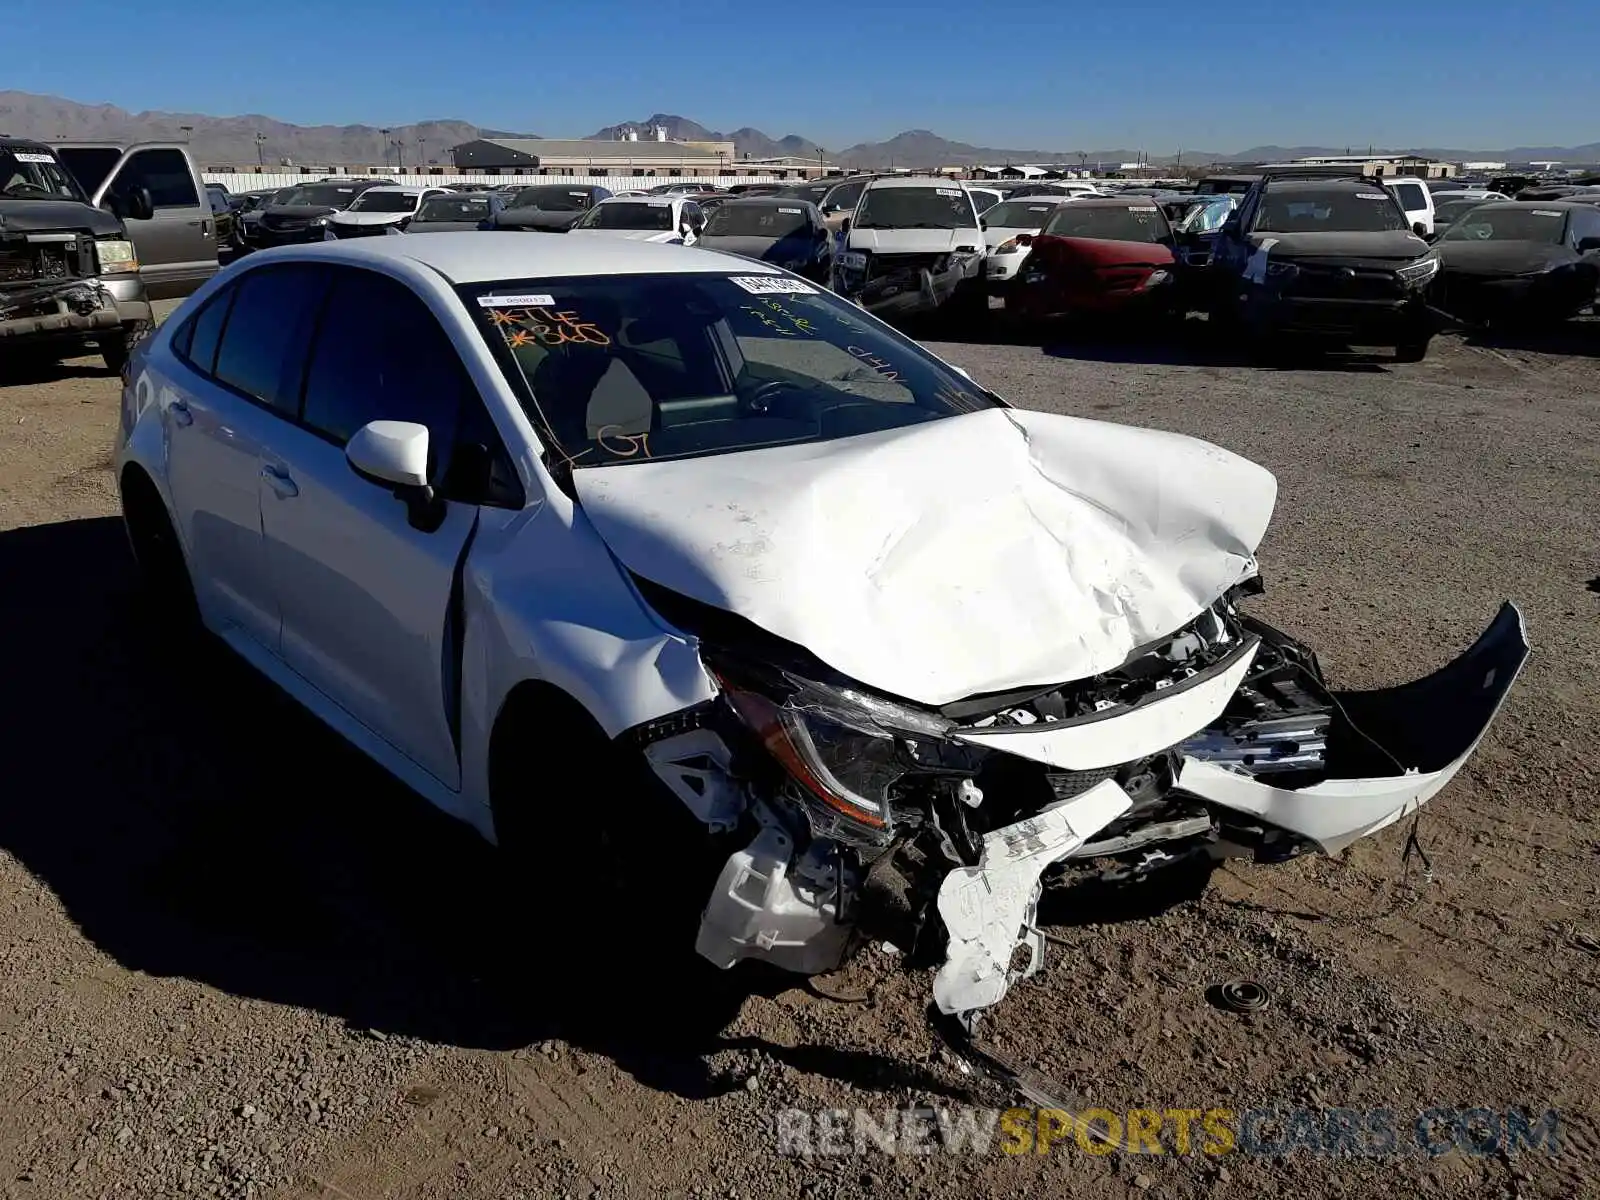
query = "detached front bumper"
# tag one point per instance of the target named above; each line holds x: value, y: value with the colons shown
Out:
x: 71, y: 308
x: 903, y: 291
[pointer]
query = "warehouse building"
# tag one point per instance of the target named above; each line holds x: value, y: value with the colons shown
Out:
x: 628, y: 156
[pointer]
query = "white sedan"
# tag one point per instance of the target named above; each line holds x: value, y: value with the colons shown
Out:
x: 1004, y: 224
x: 676, y: 219
x: 734, y: 615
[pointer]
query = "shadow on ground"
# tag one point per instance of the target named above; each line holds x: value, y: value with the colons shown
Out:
x: 17, y: 370
x: 195, y: 822
x: 1576, y: 337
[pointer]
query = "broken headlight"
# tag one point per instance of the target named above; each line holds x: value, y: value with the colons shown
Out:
x: 841, y: 746
x: 115, y: 256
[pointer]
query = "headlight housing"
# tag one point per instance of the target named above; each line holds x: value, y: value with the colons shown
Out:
x: 319, y: 220
x: 842, y: 747
x: 116, y: 256
x: 1419, y: 272
x: 1007, y: 247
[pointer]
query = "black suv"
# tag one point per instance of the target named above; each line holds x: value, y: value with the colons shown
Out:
x: 1324, y: 256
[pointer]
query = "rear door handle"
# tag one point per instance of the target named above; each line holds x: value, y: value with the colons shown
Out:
x: 180, y: 413
x: 279, y: 481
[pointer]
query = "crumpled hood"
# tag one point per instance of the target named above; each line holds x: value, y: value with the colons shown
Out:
x: 1501, y: 258
x: 974, y: 554
x: 55, y: 216
x: 346, y: 217
x: 1384, y: 244
x: 632, y: 235
x: 914, y: 241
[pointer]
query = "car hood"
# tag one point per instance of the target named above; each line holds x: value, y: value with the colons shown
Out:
x: 1501, y: 258
x: 633, y: 235
x: 55, y: 216
x: 346, y: 217
x: 1388, y: 244
x: 536, y: 218
x: 1103, y: 252
x: 775, y: 248
x: 995, y: 550
x: 914, y: 241
x: 294, y: 211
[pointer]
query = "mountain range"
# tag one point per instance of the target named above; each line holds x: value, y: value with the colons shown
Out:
x: 241, y: 140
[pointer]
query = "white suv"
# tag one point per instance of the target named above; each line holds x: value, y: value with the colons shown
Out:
x: 1414, y: 198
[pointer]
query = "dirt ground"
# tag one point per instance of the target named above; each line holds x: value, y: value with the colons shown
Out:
x: 239, y: 961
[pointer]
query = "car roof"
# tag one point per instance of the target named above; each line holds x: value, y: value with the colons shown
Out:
x: 1524, y: 205
x: 1115, y: 202
x: 920, y: 181
x: 478, y: 257
x: 769, y: 201
x: 405, y: 189
x: 1342, y: 183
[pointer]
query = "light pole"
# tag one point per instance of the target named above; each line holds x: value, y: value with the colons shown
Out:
x: 400, y: 156
x: 261, y: 140
x: 187, y: 130
x: 422, y: 151
x: 385, y: 133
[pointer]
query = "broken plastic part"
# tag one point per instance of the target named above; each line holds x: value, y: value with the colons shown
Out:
x: 695, y: 766
x: 988, y: 910
x: 765, y: 906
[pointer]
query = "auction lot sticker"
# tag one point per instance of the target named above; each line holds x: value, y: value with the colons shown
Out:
x: 528, y: 301
x: 768, y: 284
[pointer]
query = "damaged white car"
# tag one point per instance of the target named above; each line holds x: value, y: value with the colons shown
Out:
x: 517, y: 515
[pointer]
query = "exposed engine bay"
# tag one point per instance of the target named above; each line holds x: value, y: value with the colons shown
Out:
x: 938, y: 830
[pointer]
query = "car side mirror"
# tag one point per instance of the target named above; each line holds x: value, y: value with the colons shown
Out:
x: 844, y: 225
x: 395, y: 454
x: 982, y: 224
x: 1420, y: 229
x: 1024, y: 239
x: 1588, y: 245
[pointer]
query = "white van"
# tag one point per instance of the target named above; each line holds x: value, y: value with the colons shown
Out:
x: 913, y: 244
x: 1414, y: 198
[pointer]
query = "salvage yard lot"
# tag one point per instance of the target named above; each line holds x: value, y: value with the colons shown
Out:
x: 238, y: 960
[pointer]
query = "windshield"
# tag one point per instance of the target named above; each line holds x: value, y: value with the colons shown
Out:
x: 1526, y: 223
x: 629, y: 214
x: 1206, y: 216
x: 552, y: 199
x: 453, y: 208
x: 319, y: 196
x: 35, y: 175
x: 613, y: 370
x: 1329, y: 210
x: 384, y: 202
x: 1108, y: 222
x: 1020, y: 214
x: 915, y: 208
x: 1452, y: 210
x: 813, y: 192
x: 757, y: 220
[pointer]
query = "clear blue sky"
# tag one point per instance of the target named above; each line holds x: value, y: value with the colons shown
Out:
x: 1161, y: 74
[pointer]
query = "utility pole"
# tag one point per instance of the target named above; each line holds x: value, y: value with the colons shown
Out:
x: 400, y: 156
x: 187, y: 130
x: 385, y: 133
x: 261, y: 140
x: 422, y: 151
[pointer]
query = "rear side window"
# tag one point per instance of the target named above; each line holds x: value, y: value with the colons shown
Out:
x: 196, y: 342
x: 380, y: 354
x: 1410, y: 197
x: 271, y: 316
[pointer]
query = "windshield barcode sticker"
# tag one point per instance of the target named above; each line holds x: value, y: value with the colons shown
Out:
x: 948, y: 191
x: 29, y: 156
x: 791, y: 211
x: 529, y: 301
x: 759, y: 285
x: 1372, y: 195
x: 1547, y: 212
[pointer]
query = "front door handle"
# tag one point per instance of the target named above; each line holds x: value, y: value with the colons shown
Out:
x: 180, y: 413
x: 279, y: 481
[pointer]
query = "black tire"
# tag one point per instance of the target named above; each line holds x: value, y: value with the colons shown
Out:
x: 1412, y: 352
x: 115, y: 348
x: 613, y: 872
x: 159, y: 556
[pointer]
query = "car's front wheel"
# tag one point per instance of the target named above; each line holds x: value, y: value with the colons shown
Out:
x: 158, y: 554
x: 1413, y: 351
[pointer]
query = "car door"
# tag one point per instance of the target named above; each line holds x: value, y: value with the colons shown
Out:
x: 177, y: 246
x: 366, y: 596
x: 229, y: 391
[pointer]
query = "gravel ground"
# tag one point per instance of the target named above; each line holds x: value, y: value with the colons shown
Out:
x: 239, y: 961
